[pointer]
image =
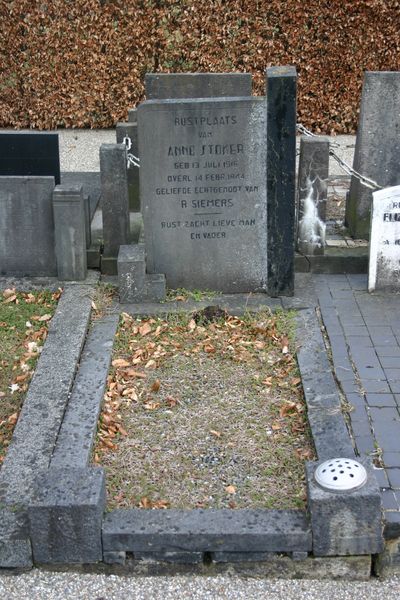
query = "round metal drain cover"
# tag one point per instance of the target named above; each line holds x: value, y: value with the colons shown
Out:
x: 340, y: 474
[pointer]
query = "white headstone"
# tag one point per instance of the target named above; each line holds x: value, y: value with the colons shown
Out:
x: 384, y: 254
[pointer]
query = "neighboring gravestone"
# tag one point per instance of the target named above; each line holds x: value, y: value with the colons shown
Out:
x: 27, y: 226
x: 70, y: 232
x: 377, y: 146
x: 312, y: 194
x: 384, y: 254
x: 196, y: 85
x: 30, y: 154
x: 203, y: 192
x: 129, y: 130
x: 281, y: 169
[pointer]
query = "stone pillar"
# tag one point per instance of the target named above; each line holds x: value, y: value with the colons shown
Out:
x: 132, y: 115
x: 377, y: 146
x: 70, y: 232
x: 115, y: 201
x: 312, y: 194
x: 130, y: 130
x: 281, y: 165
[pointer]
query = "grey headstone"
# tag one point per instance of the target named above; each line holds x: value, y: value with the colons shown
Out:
x: 70, y: 232
x: 196, y: 85
x: 27, y: 226
x: 114, y: 195
x: 377, y: 146
x: 135, y: 285
x: 281, y: 168
x: 312, y: 194
x: 384, y: 253
x: 130, y: 130
x: 203, y: 192
x: 65, y: 516
x: 345, y: 523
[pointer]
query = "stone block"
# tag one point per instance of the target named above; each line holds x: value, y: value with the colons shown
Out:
x: 377, y: 146
x: 345, y: 523
x: 384, y: 248
x: 132, y: 115
x: 312, y: 194
x: 203, y: 192
x: 70, y: 232
x: 130, y: 130
x: 134, y: 284
x: 88, y: 220
x: 281, y: 167
x: 114, y: 558
x: 27, y: 227
x: 65, y: 516
x: 115, y: 199
x: 32, y: 154
x: 208, y: 530
x: 196, y: 85
x: 233, y: 557
x: 188, y: 558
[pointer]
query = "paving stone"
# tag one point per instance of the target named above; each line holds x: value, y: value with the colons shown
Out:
x: 361, y: 428
x: 392, y: 525
x: 394, y: 477
x: 383, y: 351
x: 370, y: 372
x: 386, y: 413
x: 381, y: 400
x: 358, y: 281
x: 397, y: 399
x: 376, y: 387
x: 392, y: 374
x: 342, y: 293
x: 350, y: 387
x: 382, y: 478
x: 356, y: 331
x: 390, y: 362
x: 384, y: 340
x: 391, y: 459
x: 356, y: 400
x: 388, y: 435
x: 365, y: 444
x: 394, y: 386
x: 359, y: 412
x: 357, y: 342
x: 389, y: 500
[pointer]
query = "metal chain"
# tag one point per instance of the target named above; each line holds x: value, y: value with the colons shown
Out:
x: 131, y: 158
x: 365, y: 181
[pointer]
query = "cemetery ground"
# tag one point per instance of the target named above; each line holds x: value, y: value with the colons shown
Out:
x: 205, y: 411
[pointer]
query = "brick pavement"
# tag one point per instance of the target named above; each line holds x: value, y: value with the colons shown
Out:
x: 364, y: 336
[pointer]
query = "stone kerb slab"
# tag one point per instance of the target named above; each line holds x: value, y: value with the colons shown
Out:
x: 377, y: 146
x: 384, y: 252
x: 203, y: 192
x: 27, y: 226
x: 196, y: 85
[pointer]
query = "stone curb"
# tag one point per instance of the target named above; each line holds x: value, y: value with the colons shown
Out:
x: 36, y: 431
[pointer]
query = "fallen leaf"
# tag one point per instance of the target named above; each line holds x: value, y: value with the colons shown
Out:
x: 285, y: 345
x: 287, y: 408
x: 10, y: 299
x: 155, y: 386
x: 12, y: 419
x: 180, y: 299
x: 151, y: 405
x: 145, y: 502
x: 9, y: 292
x: 151, y: 364
x: 209, y: 348
x: 276, y: 426
x: 192, y: 325
x: 230, y: 489
x: 45, y: 317
x: 94, y: 305
x: 216, y: 433
x: 120, y: 362
x: 145, y: 329
x: 171, y: 401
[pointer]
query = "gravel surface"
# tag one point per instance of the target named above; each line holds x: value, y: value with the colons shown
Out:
x: 39, y: 585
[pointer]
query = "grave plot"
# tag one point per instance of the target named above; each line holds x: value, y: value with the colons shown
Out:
x: 205, y: 411
x: 24, y: 319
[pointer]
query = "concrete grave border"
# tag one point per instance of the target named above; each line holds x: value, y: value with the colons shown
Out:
x: 56, y: 517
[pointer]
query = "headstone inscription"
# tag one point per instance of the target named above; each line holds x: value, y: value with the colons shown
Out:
x: 27, y: 227
x: 196, y: 85
x: 384, y: 252
x: 30, y: 154
x: 203, y: 192
x: 377, y: 146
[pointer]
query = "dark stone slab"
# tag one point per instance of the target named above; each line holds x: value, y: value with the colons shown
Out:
x: 27, y: 226
x: 228, y: 557
x: 203, y: 191
x: 115, y: 199
x: 65, y: 516
x: 33, y: 154
x: 78, y: 428
x: 377, y: 146
x: 347, y: 523
x: 196, y: 85
x: 281, y: 154
x: 206, y: 531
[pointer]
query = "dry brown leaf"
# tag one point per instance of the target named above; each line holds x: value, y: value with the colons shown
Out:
x: 285, y: 345
x: 287, y: 408
x: 216, y: 433
x: 230, y: 489
x: 192, y: 325
x: 145, y: 329
x: 151, y: 364
x: 155, y: 385
x: 180, y: 298
x: 45, y: 318
x: 9, y: 292
x: 171, y: 401
x: 120, y: 362
x: 151, y: 405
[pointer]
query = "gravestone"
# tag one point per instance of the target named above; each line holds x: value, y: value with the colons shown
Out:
x: 384, y: 253
x: 312, y: 194
x: 196, y: 85
x: 203, y: 192
x: 30, y: 154
x: 377, y: 146
x: 27, y: 227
